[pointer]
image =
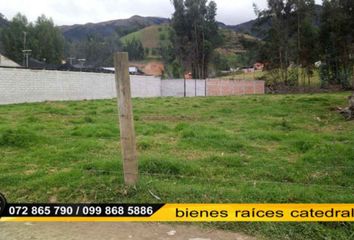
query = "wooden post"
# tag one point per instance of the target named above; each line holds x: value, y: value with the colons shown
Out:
x: 185, y: 86
x: 127, y: 132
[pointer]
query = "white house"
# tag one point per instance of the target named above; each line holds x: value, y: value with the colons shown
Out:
x: 133, y: 70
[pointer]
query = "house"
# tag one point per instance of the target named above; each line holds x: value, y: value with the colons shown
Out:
x: 5, y: 62
x: 133, y: 70
x: 188, y: 75
x: 248, y: 69
x: 258, y: 66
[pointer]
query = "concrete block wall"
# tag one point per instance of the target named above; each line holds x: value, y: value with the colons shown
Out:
x: 175, y: 88
x: 218, y: 87
x: 22, y: 85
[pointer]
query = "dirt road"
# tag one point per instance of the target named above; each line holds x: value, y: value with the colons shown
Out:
x: 111, y: 231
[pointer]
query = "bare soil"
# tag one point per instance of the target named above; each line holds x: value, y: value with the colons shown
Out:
x: 111, y: 231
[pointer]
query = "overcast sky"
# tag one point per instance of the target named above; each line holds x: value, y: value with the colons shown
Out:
x: 63, y: 12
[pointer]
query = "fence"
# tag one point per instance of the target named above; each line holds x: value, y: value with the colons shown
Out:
x: 181, y: 88
x: 23, y: 85
x: 234, y: 87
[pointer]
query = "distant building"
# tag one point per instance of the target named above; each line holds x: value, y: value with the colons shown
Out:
x: 188, y: 75
x: 111, y: 69
x: 5, y: 62
x: 248, y: 69
x: 258, y: 66
x: 133, y: 70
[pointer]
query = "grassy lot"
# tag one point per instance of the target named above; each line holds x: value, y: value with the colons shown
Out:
x: 254, y: 149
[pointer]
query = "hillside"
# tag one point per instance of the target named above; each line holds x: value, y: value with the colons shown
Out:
x: 153, y: 36
x: 234, y: 41
x: 105, y: 29
x: 151, y: 31
x: 251, y: 28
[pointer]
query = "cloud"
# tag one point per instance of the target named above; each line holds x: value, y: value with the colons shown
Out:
x: 67, y: 12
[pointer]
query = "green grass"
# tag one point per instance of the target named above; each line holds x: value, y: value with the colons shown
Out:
x: 252, y: 149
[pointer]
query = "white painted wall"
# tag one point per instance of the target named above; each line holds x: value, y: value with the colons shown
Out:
x: 22, y: 85
x: 175, y: 88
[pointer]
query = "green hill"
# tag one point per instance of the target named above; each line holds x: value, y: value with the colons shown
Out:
x: 79, y: 32
x: 234, y: 42
x: 153, y: 37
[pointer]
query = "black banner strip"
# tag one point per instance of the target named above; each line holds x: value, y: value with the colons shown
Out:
x: 79, y: 210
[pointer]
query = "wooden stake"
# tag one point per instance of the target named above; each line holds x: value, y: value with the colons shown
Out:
x: 127, y: 132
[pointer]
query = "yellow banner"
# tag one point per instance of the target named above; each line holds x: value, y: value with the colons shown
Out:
x: 224, y: 213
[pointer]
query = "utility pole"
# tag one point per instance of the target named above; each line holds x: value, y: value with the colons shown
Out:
x: 26, y: 52
x: 71, y: 60
x: 82, y: 62
x: 126, y: 120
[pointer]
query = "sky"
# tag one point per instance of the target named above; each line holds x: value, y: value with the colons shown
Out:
x: 68, y: 12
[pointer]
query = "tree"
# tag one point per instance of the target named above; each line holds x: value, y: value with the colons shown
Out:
x: 47, y: 41
x: 337, y: 39
x: 12, y: 38
x: 135, y: 49
x: 278, y: 37
x: 195, y: 35
x: 43, y: 38
x: 173, y: 67
x: 306, y: 36
x: 97, y: 50
x: 291, y: 37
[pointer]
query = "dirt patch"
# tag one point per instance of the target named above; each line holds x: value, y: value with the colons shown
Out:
x: 152, y: 68
x: 111, y: 231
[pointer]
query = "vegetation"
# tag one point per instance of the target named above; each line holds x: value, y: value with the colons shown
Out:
x: 152, y: 39
x: 291, y: 25
x: 42, y: 37
x: 195, y: 36
x: 336, y: 38
x: 254, y: 149
x: 96, y: 50
x: 295, y: 40
x: 135, y: 49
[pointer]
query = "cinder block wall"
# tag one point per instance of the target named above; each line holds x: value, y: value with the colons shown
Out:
x: 217, y: 87
x: 22, y: 85
x: 175, y: 88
